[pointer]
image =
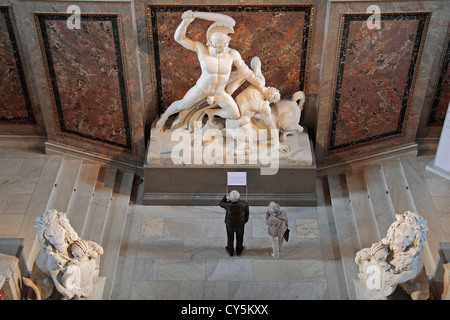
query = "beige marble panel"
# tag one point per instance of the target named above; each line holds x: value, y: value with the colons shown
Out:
x: 442, y: 204
x: 259, y: 228
x: 181, y: 269
x: 32, y: 166
x: 152, y: 227
x: 17, y: 184
x: 307, y: 228
x: 297, y: 249
x: 10, y: 166
x: 303, y: 291
x: 184, y: 228
x: 160, y: 248
x: 155, y: 290
x: 3, y: 200
x: 276, y: 270
x: 17, y: 203
x: 439, y: 187
x: 245, y: 290
x: 236, y: 269
x: 216, y: 228
x: 145, y: 269
x: 204, y: 290
x: 312, y: 270
x: 206, y: 248
x: 10, y: 223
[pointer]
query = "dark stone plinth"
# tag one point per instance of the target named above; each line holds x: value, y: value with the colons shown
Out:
x: 182, y: 185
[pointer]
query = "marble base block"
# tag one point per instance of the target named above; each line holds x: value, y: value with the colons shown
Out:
x: 289, y: 182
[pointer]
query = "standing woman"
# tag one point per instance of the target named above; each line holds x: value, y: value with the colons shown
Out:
x: 277, y: 221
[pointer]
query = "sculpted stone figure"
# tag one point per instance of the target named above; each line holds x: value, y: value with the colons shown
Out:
x: 286, y: 114
x: 2, y: 282
x: 253, y: 105
x: 396, y: 260
x: 222, y: 123
x: 216, y: 83
x: 65, y: 260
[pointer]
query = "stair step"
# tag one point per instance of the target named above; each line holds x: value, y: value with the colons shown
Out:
x: 127, y: 256
x: 64, y: 184
x: 337, y: 288
x: 114, y: 229
x: 362, y: 208
x: 398, y: 186
x: 403, y: 200
x: 414, y: 169
x: 99, y: 206
x: 382, y: 206
x: 37, y: 206
x: 345, y: 230
x: 81, y: 195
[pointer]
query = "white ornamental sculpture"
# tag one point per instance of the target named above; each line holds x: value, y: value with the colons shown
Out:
x: 65, y: 260
x: 396, y: 260
x: 211, y: 96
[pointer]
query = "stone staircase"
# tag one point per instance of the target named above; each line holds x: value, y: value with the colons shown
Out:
x: 96, y: 200
x: 357, y: 205
x: 363, y: 202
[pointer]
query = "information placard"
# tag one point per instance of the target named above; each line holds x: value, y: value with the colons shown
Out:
x: 236, y: 178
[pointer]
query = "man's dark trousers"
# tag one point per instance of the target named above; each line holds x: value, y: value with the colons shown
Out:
x: 239, y: 240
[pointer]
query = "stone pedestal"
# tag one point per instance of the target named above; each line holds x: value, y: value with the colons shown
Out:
x: 97, y: 291
x: 198, y: 183
x: 9, y: 270
x: 441, y: 279
x: 14, y: 247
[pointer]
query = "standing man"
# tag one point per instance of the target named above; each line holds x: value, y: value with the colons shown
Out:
x: 236, y: 217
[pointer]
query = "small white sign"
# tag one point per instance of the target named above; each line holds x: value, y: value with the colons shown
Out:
x: 236, y: 178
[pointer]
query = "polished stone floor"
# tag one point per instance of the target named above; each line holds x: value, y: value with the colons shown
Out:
x: 179, y: 253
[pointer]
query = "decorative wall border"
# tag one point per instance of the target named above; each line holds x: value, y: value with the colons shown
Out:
x: 424, y: 19
x: 153, y: 33
x: 18, y: 56
x: 122, y: 77
x: 443, y: 69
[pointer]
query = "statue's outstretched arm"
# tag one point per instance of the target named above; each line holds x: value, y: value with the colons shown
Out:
x: 220, y: 18
x: 180, y: 33
x: 245, y: 70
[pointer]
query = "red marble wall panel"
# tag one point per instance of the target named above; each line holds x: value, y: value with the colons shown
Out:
x: 277, y: 35
x: 15, y: 106
x: 375, y: 76
x: 87, y: 78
